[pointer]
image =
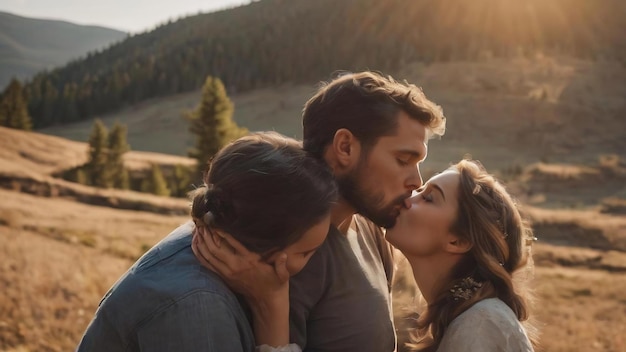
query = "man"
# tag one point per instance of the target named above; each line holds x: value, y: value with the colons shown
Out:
x: 372, y: 132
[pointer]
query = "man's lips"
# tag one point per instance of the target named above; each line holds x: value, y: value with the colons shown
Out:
x: 398, y: 209
x: 401, y: 205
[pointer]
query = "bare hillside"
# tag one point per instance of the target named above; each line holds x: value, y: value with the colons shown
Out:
x: 29, y: 162
x: 30, y: 153
x: 502, y: 112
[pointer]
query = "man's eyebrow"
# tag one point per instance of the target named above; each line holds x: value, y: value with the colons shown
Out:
x: 411, y: 152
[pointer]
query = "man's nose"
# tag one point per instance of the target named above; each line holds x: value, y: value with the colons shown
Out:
x: 414, y: 181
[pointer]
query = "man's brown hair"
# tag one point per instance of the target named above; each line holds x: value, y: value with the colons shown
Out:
x: 367, y: 104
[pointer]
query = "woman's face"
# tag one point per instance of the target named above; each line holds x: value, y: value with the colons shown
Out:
x: 299, y: 252
x: 423, y: 229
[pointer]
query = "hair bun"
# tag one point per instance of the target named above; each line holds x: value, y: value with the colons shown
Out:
x: 205, y: 203
x: 212, y: 199
x: 208, y: 218
x: 216, y: 205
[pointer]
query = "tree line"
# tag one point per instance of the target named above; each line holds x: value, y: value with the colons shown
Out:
x: 275, y: 41
x: 211, y: 124
x: 13, y: 107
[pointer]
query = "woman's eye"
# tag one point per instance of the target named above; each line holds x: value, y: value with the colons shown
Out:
x: 428, y: 197
x: 402, y: 162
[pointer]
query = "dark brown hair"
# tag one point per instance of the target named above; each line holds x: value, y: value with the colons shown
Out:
x: 368, y: 105
x: 490, y: 220
x: 265, y: 191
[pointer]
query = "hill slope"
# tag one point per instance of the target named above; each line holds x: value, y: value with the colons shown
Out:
x: 31, y: 153
x: 61, y: 255
x: 503, y: 112
x: 272, y: 42
x: 29, y: 163
x: 29, y: 45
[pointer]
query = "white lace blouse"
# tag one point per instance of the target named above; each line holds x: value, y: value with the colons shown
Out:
x: 489, y: 325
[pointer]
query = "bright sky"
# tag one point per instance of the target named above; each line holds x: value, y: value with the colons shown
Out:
x: 127, y: 15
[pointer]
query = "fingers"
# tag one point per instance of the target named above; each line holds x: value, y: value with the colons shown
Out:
x: 200, y: 240
x: 206, y: 248
x: 225, y: 255
x: 198, y: 254
x: 280, y: 266
x: 239, y: 248
x: 208, y: 235
x: 207, y: 259
x: 211, y: 246
x: 237, y: 257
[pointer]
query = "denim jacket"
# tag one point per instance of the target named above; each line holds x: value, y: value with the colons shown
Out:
x: 168, y: 302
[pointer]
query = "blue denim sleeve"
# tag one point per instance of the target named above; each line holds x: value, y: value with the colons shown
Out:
x: 200, y: 322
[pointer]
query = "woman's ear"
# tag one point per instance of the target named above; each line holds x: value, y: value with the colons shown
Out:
x: 345, y: 149
x: 457, y: 245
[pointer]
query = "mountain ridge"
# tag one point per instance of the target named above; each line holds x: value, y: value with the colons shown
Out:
x: 30, y: 45
x: 273, y: 42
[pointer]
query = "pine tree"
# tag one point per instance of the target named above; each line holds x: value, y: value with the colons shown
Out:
x: 14, y: 108
x: 3, y: 112
x: 212, y: 123
x: 155, y: 182
x: 118, y: 146
x: 181, y: 181
x: 98, y: 173
x: 81, y: 176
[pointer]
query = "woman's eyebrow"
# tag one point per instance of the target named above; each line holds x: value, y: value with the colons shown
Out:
x: 435, y: 186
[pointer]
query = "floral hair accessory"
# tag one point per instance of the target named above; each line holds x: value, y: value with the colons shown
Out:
x: 465, y: 289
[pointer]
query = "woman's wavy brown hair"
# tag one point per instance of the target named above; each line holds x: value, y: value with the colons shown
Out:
x: 499, y: 258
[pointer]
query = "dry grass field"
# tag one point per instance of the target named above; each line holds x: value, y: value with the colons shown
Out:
x: 553, y: 129
x: 58, y: 258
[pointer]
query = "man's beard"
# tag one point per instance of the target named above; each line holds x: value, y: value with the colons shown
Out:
x: 367, y: 202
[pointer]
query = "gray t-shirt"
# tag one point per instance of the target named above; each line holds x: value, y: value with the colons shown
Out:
x: 341, y: 300
x: 488, y: 326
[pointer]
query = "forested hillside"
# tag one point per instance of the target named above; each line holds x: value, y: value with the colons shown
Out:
x: 29, y: 45
x: 275, y: 41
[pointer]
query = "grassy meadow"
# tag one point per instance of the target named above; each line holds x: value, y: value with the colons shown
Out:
x: 552, y: 128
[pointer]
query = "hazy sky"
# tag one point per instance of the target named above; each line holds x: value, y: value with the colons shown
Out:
x: 127, y: 15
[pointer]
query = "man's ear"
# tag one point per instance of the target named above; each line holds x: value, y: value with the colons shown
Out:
x: 345, y: 148
x: 457, y: 245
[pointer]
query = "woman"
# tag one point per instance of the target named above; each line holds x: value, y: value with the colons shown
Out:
x: 267, y: 193
x: 469, y: 250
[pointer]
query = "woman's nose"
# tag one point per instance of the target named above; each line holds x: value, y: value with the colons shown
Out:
x: 408, y: 203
